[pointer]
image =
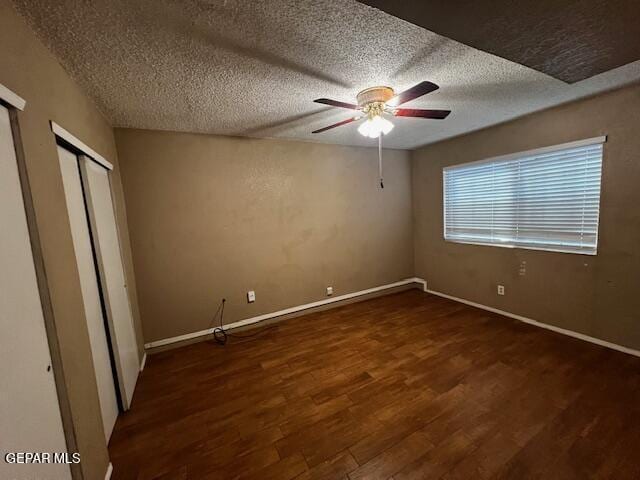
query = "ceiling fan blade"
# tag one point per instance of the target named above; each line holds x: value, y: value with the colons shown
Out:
x: 336, y: 103
x: 416, y: 91
x: 339, y: 124
x: 417, y: 112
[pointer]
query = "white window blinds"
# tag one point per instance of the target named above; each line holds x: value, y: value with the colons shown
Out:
x: 545, y: 199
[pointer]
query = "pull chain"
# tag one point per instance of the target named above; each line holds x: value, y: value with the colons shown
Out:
x: 380, y: 160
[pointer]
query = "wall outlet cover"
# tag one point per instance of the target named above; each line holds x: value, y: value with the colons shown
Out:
x: 329, y: 290
x: 251, y: 296
x: 500, y: 289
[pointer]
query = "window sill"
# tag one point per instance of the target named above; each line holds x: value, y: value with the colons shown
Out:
x: 524, y: 247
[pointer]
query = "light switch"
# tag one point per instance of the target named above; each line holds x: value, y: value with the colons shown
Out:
x: 251, y: 296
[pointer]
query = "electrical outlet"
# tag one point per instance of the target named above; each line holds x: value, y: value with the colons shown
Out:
x: 251, y: 296
x: 522, y: 271
x: 329, y: 291
x: 500, y: 289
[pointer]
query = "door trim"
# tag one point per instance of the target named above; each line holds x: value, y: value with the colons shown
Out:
x: 12, y: 98
x: 80, y: 145
x: 45, y: 296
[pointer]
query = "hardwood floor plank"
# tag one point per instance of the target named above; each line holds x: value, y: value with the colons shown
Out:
x: 212, y: 467
x: 285, y: 469
x: 315, y: 414
x: 332, y: 469
x: 394, y: 458
x: 384, y: 438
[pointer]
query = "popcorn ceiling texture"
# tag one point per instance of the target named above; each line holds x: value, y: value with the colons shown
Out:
x: 252, y: 68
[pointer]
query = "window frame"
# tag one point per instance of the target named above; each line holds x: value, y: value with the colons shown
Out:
x: 512, y: 156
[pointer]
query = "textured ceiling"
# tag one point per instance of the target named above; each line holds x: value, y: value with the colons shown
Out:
x: 242, y: 67
x: 568, y: 39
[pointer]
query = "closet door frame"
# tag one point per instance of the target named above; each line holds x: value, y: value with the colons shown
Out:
x: 92, y: 296
x: 86, y: 153
x: 14, y: 104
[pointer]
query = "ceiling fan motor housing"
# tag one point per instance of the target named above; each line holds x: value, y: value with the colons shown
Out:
x: 374, y: 95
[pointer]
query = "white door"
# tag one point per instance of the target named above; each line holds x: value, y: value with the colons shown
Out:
x: 95, y: 179
x: 29, y: 410
x: 90, y: 289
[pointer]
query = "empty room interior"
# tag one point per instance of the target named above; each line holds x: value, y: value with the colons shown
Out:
x: 319, y: 239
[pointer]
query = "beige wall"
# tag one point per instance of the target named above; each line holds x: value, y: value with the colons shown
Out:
x: 214, y: 217
x: 27, y: 68
x: 598, y: 296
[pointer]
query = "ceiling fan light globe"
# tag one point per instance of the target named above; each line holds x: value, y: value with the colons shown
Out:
x: 365, y: 128
x: 385, y: 126
x: 374, y: 126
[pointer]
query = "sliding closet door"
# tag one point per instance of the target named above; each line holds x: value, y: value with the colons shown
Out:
x: 90, y: 289
x: 29, y: 410
x: 105, y: 239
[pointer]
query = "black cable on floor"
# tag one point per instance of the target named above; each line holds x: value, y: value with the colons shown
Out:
x: 220, y: 335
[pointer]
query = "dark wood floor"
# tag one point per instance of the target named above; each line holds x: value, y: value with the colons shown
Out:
x: 408, y: 386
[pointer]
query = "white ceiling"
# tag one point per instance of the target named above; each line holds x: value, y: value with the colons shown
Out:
x: 246, y: 67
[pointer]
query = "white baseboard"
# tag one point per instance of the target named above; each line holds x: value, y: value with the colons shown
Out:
x: 422, y: 282
x: 286, y: 311
x: 144, y: 361
x: 107, y: 475
x: 563, y: 331
x: 408, y: 281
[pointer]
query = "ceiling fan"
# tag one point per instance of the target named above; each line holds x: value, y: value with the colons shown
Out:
x: 377, y: 102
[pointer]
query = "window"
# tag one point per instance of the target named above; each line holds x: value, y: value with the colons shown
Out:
x: 545, y: 199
